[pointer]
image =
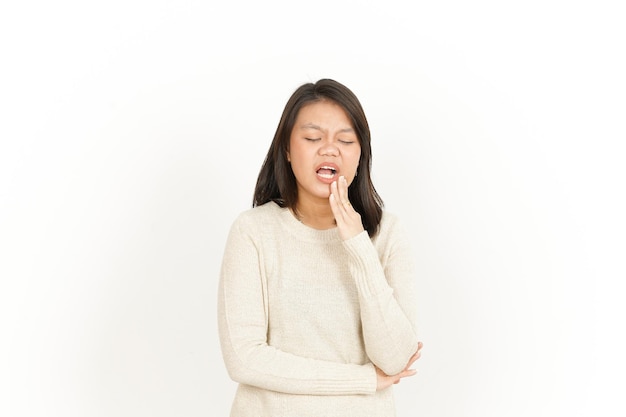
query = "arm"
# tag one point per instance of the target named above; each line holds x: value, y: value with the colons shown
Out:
x: 242, y: 320
x: 386, y: 299
x: 385, y: 292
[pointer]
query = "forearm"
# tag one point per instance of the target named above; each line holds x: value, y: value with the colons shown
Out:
x: 250, y: 360
x: 389, y: 336
x: 243, y: 322
x: 388, y: 326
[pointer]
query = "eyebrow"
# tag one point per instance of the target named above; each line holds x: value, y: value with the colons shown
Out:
x: 316, y: 127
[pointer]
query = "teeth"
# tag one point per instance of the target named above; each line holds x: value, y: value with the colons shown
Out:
x: 327, y: 172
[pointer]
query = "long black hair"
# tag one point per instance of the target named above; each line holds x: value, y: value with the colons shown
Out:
x: 276, y: 181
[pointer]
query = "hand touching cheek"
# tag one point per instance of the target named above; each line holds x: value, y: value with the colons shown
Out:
x: 348, y: 219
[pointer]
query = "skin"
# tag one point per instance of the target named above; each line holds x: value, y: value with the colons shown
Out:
x: 384, y: 381
x: 324, y: 135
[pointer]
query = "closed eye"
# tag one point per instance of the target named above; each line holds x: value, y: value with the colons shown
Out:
x: 347, y: 142
x: 313, y: 139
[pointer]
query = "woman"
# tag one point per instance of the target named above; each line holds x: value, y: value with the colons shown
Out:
x: 315, y: 301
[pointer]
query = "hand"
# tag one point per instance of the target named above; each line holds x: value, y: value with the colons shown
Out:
x: 348, y: 220
x: 384, y: 381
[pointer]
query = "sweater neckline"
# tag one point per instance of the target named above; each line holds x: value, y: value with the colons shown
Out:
x: 305, y: 232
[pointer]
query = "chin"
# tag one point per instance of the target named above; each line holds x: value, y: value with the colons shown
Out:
x: 322, y: 193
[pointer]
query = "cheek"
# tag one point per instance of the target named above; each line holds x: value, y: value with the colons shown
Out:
x: 297, y: 165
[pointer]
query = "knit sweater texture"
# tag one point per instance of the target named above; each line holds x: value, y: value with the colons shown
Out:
x: 304, y: 316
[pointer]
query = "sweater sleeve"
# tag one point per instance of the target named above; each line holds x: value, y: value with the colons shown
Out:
x: 385, y: 286
x: 243, y: 324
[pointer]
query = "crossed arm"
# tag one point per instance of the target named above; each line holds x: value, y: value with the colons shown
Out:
x: 386, y: 315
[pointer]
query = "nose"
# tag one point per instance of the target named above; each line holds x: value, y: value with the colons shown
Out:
x: 328, y: 148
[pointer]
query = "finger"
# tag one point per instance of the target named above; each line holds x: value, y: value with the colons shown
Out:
x: 407, y: 373
x: 404, y: 374
x: 339, y: 210
x: 417, y: 353
x: 415, y: 357
x: 335, y: 206
x: 343, y: 192
x: 412, y: 361
x: 334, y: 191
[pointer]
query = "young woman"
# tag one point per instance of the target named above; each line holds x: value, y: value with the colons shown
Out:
x: 316, y: 310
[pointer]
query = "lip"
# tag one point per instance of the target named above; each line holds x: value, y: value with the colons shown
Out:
x: 326, y: 180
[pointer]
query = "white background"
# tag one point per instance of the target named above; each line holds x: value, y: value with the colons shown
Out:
x: 132, y: 133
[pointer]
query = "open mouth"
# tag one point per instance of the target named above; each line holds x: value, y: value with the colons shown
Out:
x: 327, y: 172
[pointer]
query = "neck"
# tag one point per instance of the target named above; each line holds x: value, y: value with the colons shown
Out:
x: 317, y: 215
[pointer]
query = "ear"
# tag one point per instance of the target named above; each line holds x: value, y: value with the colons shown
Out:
x: 288, y: 157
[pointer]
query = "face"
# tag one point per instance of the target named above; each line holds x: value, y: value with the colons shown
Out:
x: 323, y: 146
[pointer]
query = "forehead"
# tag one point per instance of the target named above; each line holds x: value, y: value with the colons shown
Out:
x: 323, y: 113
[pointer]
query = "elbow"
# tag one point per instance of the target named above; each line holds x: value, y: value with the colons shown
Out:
x: 240, y: 363
x: 391, y: 367
x: 243, y: 374
x: 393, y: 361
x: 238, y: 374
x: 238, y: 370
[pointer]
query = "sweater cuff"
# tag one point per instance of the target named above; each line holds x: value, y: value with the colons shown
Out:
x: 363, y: 381
x: 365, y: 266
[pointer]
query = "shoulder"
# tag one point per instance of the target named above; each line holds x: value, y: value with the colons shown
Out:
x: 391, y: 230
x: 258, y: 217
x: 389, y: 224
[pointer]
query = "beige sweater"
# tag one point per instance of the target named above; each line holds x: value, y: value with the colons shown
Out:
x: 303, y: 316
